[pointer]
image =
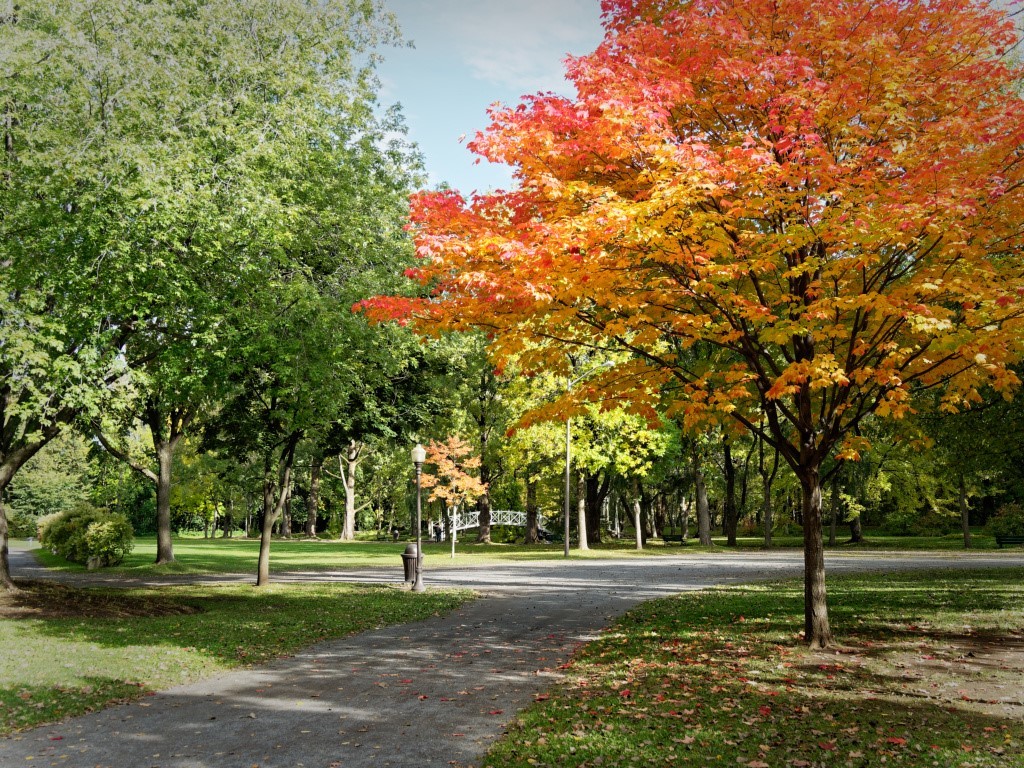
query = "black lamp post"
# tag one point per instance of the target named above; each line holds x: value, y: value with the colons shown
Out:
x: 419, y: 455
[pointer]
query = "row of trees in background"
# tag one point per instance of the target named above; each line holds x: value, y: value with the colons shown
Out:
x: 931, y: 475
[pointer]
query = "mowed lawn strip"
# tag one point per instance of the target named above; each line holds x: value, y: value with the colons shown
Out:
x: 197, y: 556
x: 69, y: 651
x: 931, y: 673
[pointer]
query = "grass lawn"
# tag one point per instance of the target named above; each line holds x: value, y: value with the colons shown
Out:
x: 68, y: 651
x: 238, y: 555
x: 931, y: 673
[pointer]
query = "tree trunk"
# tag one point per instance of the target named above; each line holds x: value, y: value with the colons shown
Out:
x: 286, y: 513
x: 638, y: 525
x: 6, y: 582
x: 834, y: 523
x: 165, y: 458
x: 597, y: 492
x: 348, y: 473
x: 313, y: 499
x: 964, y: 512
x: 729, y: 517
x: 817, y: 631
x: 285, y: 477
x: 532, y: 536
x: 684, y: 518
x: 483, y: 504
x: 581, y: 512
x: 703, y: 510
x: 856, y: 531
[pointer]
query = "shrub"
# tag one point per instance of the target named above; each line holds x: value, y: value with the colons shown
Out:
x: 87, y: 535
x: 1008, y: 521
x: 20, y: 525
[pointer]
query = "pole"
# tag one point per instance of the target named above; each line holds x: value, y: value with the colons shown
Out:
x: 454, y: 531
x: 568, y: 449
x: 418, y: 584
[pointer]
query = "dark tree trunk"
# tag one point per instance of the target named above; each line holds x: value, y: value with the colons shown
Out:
x: 597, y: 492
x: 313, y: 499
x: 703, y: 510
x: 483, y: 505
x: 965, y: 512
x: 637, y: 521
x: 817, y: 631
x: 729, y: 517
x: 856, y: 530
x: 532, y: 536
x: 165, y: 460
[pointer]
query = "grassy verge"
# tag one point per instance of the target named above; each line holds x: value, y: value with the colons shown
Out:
x: 931, y: 674
x: 68, y: 651
x: 197, y: 556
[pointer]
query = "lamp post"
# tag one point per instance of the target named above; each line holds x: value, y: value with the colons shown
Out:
x: 419, y: 455
x: 568, y: 446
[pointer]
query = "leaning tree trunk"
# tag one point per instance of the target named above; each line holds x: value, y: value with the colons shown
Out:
x: 287, y: 459
x: 581, y: 512
x: 703, y: 510
x: 817, y: 631
x: 964, y: 512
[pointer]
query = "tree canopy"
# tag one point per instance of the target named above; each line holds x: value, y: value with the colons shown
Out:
x: 829, y: 195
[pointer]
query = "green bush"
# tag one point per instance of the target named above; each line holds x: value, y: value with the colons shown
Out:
x: 1008, y: 521
x: 20, y: 525
x: 87, y: 535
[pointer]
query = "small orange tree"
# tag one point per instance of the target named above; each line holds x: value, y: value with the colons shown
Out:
x: 451, y: 483
x: 794, y: 213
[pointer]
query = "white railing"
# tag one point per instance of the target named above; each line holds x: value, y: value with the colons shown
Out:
x: 471, y: 519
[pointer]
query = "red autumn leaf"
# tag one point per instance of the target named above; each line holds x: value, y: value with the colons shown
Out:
x: 765, y: 710
x: 896, y: 740
x: 827, y: 745
x: 495, y: 712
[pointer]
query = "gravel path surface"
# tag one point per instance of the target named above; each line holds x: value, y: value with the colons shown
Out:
x: 433, y: 693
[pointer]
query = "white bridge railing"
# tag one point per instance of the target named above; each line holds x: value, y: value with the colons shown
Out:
x: 471, y: 519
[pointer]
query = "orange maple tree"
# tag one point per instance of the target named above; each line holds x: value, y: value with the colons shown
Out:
x: 451, y: 481
x: 794, y: 213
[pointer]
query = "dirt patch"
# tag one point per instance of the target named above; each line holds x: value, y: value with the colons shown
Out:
x: 49, y: 600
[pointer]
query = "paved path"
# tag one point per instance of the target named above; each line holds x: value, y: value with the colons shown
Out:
x: 433, y: 693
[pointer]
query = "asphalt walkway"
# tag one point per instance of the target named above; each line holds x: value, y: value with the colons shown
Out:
x: 433, y: 693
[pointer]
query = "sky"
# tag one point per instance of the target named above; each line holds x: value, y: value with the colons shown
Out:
x: 469, y: 54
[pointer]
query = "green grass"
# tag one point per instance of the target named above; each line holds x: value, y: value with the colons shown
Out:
x: 199, y: 556
x: 57, y: 667
x: 719, y: 679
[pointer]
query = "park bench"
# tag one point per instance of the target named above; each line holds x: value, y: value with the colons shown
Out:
x: 1002, y: 541
x: 672, y: 537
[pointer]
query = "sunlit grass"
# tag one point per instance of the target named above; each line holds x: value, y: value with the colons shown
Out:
x: 720, y: 679
x: 238, y: 555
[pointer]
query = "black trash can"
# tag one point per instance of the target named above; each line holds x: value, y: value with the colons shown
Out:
x: 409, y: 561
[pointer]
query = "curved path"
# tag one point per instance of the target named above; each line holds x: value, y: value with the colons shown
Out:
x: 433, y: 693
